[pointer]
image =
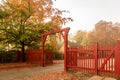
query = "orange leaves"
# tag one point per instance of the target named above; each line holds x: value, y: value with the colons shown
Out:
x: 40, y: 10
x: 105, y: 33
x: 27, y: 16
x: 55, y: 75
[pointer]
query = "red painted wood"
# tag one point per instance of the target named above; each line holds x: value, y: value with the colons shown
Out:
x: 117, y: 59
x: 64, y: 33
x: 96, y: 59
x: 43, y: 43
x: 35, y: 56
x: 48, y: 57
x: 19, y: 56
x: 107, y: 58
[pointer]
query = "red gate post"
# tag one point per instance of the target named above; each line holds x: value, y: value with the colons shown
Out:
x: 117, y: 59
x: 43, y: 54
x: 65, y: 36
x: 96, y: 58
x: 19, y: 56
x: 65, y: 47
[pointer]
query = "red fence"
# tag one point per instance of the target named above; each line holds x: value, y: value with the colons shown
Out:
x: 19, y: 56
x: 35, y: 56
x: 95, y: 59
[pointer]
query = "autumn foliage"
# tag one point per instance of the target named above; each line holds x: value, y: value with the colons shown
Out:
x: 105, y: 33
x: 23, y: 21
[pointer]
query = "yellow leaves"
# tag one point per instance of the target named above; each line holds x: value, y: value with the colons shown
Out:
x: 105, y: 33
x: 41, y: 9
x: 30, y: 14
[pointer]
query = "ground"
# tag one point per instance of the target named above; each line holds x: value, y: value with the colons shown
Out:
x: 26, y: 71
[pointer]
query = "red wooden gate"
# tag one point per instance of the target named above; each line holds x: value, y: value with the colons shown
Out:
x: 35, y: 56
x: 95, y: 59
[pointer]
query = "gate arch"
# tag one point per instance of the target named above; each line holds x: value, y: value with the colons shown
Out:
x: 64, y: 33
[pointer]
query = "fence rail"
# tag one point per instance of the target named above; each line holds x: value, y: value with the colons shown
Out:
x: 95, y: 59
x: 35, y: 56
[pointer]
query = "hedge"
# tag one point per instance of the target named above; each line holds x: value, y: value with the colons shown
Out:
x: 8, y: 56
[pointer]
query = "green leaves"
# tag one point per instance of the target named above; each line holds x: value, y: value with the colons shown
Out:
x: 22, y: 21
x: 3, y: 14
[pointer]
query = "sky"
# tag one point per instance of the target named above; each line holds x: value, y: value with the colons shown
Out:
x: 86, y: 13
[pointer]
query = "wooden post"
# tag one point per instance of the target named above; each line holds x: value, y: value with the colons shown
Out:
x: 117, y: 58
x: 65, y: 47
x: 43, y: 55
x: 65, y: 36
x: 65, y: 51
x: 96, y: 58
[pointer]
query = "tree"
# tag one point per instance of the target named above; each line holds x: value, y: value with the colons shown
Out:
x: 105, y: 33
x: 80, y: 38
x: 22, y: 21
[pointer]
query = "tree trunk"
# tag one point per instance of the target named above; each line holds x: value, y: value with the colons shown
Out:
x: 23, y: 52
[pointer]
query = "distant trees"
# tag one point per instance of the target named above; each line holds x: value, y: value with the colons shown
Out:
x: 22, y: 21
x: 104, y: 33
x: 80, y: 38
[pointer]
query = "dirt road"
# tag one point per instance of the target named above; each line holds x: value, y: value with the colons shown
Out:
x: 52, y: 72
x: 23, y: 74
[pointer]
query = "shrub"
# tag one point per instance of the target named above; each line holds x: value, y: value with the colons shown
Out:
x: 8, y: 56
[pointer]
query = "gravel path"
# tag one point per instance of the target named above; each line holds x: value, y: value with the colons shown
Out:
x: 21, y: 74
x: 52, y: 72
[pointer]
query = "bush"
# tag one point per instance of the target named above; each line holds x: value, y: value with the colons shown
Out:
x: 58, y: 55
x: 8, y: 56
